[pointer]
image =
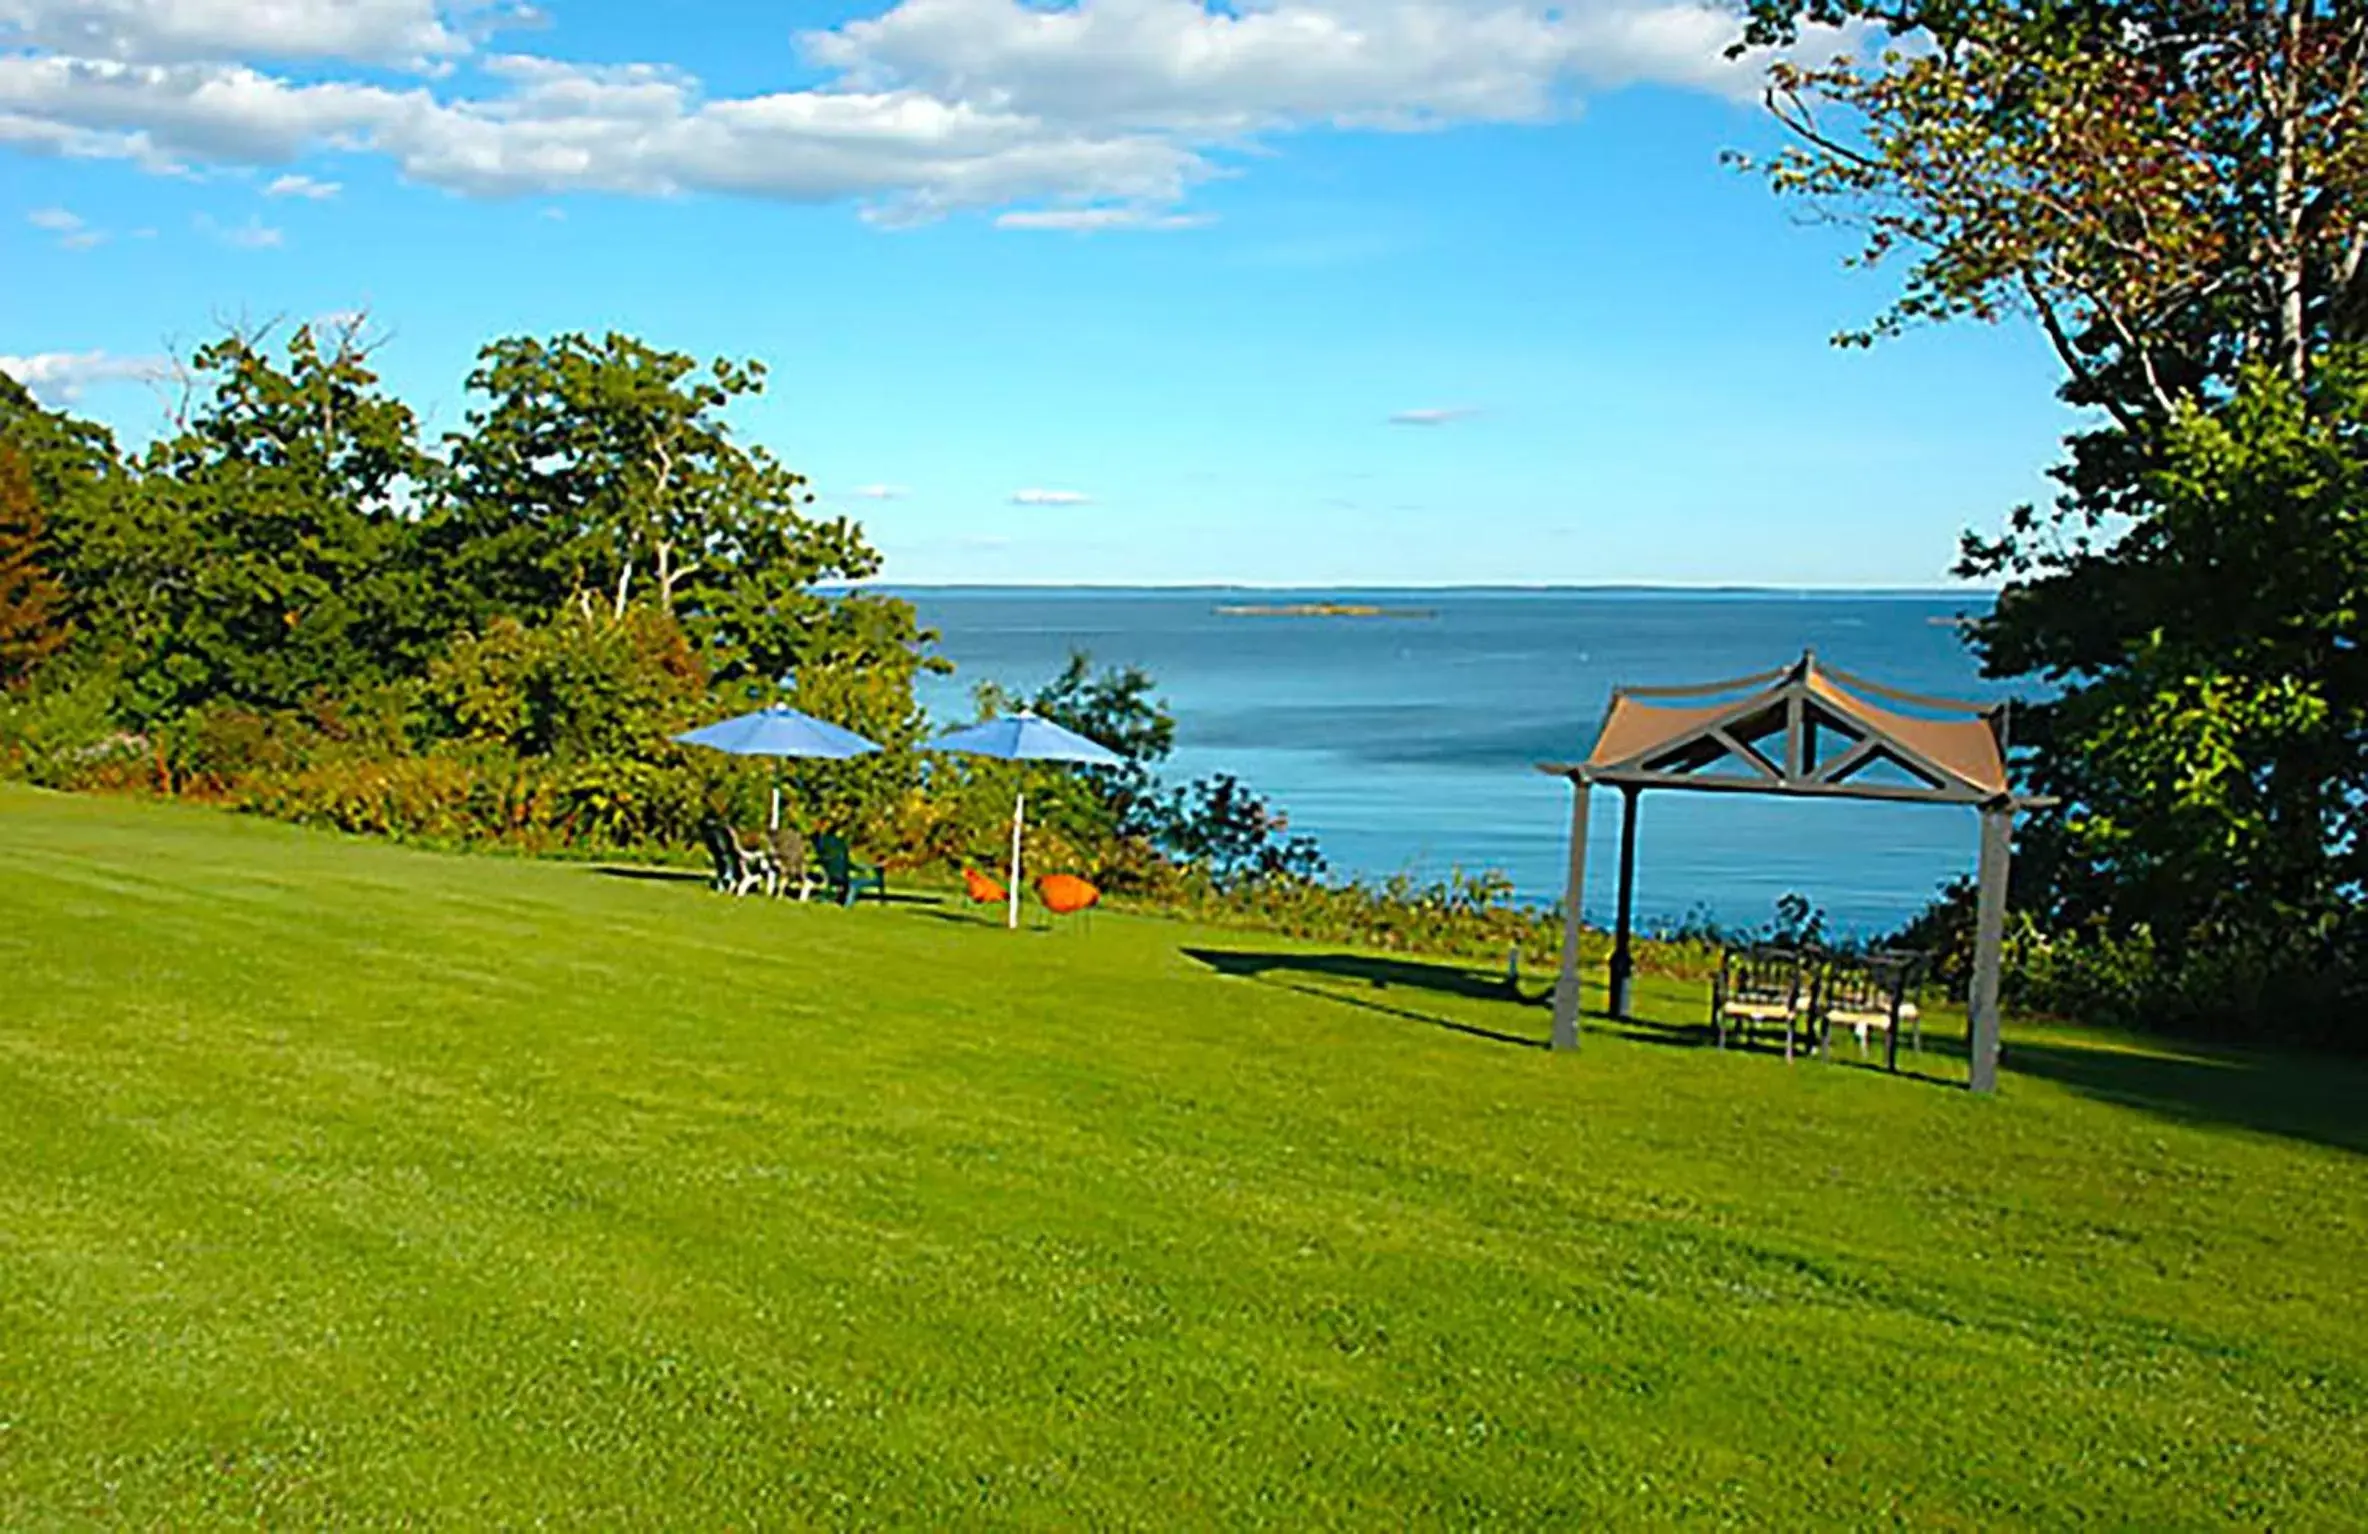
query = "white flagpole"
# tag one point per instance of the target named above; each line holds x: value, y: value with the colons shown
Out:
x: 1019, y: 815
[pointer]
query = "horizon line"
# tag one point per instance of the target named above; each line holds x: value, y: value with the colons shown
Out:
x: 1693, y: 588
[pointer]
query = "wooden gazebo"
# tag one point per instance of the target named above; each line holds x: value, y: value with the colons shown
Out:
x: 1810, y: 731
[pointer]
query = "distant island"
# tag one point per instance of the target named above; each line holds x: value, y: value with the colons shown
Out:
x: 1326, y: 610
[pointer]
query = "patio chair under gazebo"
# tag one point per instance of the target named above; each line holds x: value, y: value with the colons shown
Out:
x: 1807, y: 731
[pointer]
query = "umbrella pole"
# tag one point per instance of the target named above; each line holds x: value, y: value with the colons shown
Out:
x: 1019, y: 817
x: 776, y: 800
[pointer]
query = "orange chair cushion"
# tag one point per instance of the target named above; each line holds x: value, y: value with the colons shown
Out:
x: 981, y: 888
x: 1063, y: 894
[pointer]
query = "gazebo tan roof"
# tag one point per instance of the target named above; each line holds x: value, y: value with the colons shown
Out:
x: 1770, y: 733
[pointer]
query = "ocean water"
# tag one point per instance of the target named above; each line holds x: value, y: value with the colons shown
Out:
x: 1410, y: 743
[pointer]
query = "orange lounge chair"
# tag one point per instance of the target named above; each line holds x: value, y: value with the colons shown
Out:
x: 1065, y: 894
x: 981, y: 889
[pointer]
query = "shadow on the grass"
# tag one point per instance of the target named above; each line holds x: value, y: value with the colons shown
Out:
x: 993, y: 921
x: 1639, y: 1030
x: 1294, y: 971
x: 2317, y: 1099
x: 644, y: 871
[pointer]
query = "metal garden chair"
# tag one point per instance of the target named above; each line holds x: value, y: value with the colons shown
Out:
x: 1758, y: 986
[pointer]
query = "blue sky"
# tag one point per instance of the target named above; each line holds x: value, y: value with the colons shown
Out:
x: 1349, y: 292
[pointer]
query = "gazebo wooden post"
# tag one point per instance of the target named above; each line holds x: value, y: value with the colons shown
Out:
x: 1989, y: 942
x: 1623, y: 963
x: 1566, y: 986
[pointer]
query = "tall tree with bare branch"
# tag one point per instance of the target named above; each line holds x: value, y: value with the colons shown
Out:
x: 2176, y: 193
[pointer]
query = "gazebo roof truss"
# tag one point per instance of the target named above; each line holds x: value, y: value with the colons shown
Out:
x: 1803, y: 729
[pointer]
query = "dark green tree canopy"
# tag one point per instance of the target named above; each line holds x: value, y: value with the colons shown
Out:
x: 274, y: 534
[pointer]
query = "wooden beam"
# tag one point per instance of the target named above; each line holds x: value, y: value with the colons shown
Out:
x: 1809, y: 789
x: 1758, y: 763
x: 1989, y: 942
x: 1623, y: 964
x: 1574, y: 889
x: 1868, y: 751
x: 1839, y: 769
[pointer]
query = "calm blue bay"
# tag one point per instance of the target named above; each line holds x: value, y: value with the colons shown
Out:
x: 1408, y: 743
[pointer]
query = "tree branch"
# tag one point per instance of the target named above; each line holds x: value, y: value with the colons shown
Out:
x: 2045, y: 308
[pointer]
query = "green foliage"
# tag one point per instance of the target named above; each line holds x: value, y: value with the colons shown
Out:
x: 594, y: 466
x: 1114, y: 707
x: 289, y: 606
x: 582, y: 685
x: 2172, y: 187
x: 79, y: 490
x: 1216, y: 825
x: 62, y: 731
x: 2178, y: 193
x: 858, y: 658
x: 2209, y: 739
x: 267, y: 535
x: 1219, y: 825
x: 32, y: 606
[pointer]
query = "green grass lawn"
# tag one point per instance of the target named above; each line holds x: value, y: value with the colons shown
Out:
x: 343, y: 1182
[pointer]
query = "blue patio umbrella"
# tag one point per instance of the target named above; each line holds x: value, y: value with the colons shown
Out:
x: 1022, y: 737
x: 779, y: 731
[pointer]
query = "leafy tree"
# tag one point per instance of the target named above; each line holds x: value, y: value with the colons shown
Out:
x: 1219, y: 824
x: 593, y: 462
x: 32, y: 618
x: 1116, y: 708
x: 597, y: 470
x: 2176, y: 192
x: 582, y: 686
x: 2218, y: 775
x: 270, y: 531
x: 88, y: 501
x: 2172, y: 188
x: 857, y: 659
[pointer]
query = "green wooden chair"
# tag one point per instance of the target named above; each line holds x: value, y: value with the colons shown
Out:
x: 842, y: 875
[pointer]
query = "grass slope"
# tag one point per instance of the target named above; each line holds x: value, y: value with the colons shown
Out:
x: 345, y: 1182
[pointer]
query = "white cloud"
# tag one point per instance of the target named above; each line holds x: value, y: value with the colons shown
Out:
x: 635, y: 129
x: 302, y: 186
x: 68, y: 226
x: 1093, y: 220
x: 879, y: 492
x: 58, y: 378
x: 1050, y: 498
x: 376, y: 31
x: 1103, y: 114
x: 1177, y: 65
x: 1432, y: 416
x: 254, y: 234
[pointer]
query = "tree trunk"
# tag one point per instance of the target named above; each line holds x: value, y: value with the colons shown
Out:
x: 2282, y: 70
